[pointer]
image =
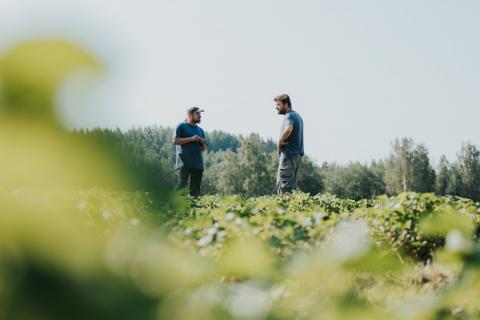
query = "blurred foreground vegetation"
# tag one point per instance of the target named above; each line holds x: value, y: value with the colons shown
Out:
x: 100, y: 254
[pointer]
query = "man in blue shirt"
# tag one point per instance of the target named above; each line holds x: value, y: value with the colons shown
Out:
x: 189, y: 140
x: 290, y: 145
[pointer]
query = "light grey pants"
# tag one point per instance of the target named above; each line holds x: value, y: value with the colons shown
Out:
x: 287, y: 173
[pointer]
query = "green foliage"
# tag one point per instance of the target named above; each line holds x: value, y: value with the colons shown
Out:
x: 248, y: 165
x: 104, y: 254
x: 147, y: 151
x: 395, y: 221
x: 246, y: 172
x: 354, y: 181
x: 310, y: 178
x: 31, y: 72
x: 408, y: 168
x: 443, y: 183
x: 466, y: 172
x: 461, y: 178
x: 408, y: 224
x: 222, y: 141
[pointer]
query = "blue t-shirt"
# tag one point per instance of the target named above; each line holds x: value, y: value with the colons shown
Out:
x: 295, y: 140
x: 188, y: 155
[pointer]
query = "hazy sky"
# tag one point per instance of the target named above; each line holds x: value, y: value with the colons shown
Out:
x: 359, y: 72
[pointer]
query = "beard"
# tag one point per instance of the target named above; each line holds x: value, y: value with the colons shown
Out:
x: 281, y: 112
x: 198, y: 120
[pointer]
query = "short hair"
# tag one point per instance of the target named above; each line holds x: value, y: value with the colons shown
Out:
x: 283, y: 98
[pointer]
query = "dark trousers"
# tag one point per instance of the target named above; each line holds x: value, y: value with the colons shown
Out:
x: 195, y: 176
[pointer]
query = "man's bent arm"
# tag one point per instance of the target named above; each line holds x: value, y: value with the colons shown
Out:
x: 285, y: 134
x: 181, y: 141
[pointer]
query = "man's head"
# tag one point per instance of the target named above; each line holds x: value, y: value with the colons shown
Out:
x: 194, y: 115
x: 283, y: 103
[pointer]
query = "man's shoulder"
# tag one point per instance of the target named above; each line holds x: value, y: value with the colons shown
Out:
x: 299, y: 117
x: 181, y: 125
x: 293, y: 116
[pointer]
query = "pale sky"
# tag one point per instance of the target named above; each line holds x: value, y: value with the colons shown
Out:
x: 359, y: 72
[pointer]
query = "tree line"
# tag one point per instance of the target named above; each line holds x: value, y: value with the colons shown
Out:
x: 247, y: 165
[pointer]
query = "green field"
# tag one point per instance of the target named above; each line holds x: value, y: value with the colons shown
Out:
x: 101, y: 254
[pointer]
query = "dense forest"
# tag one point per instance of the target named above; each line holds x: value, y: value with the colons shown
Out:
x: 247, y: 165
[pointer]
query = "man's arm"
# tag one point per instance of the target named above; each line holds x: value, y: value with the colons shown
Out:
x: 203, y: 141
x: 181, y: 141
x: 284, y: 136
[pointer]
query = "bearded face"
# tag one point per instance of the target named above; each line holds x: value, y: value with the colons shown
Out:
x: 281, y: 108
x: 195, y: 117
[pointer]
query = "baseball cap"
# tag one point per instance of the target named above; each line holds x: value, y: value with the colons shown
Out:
x: 194, y: 109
